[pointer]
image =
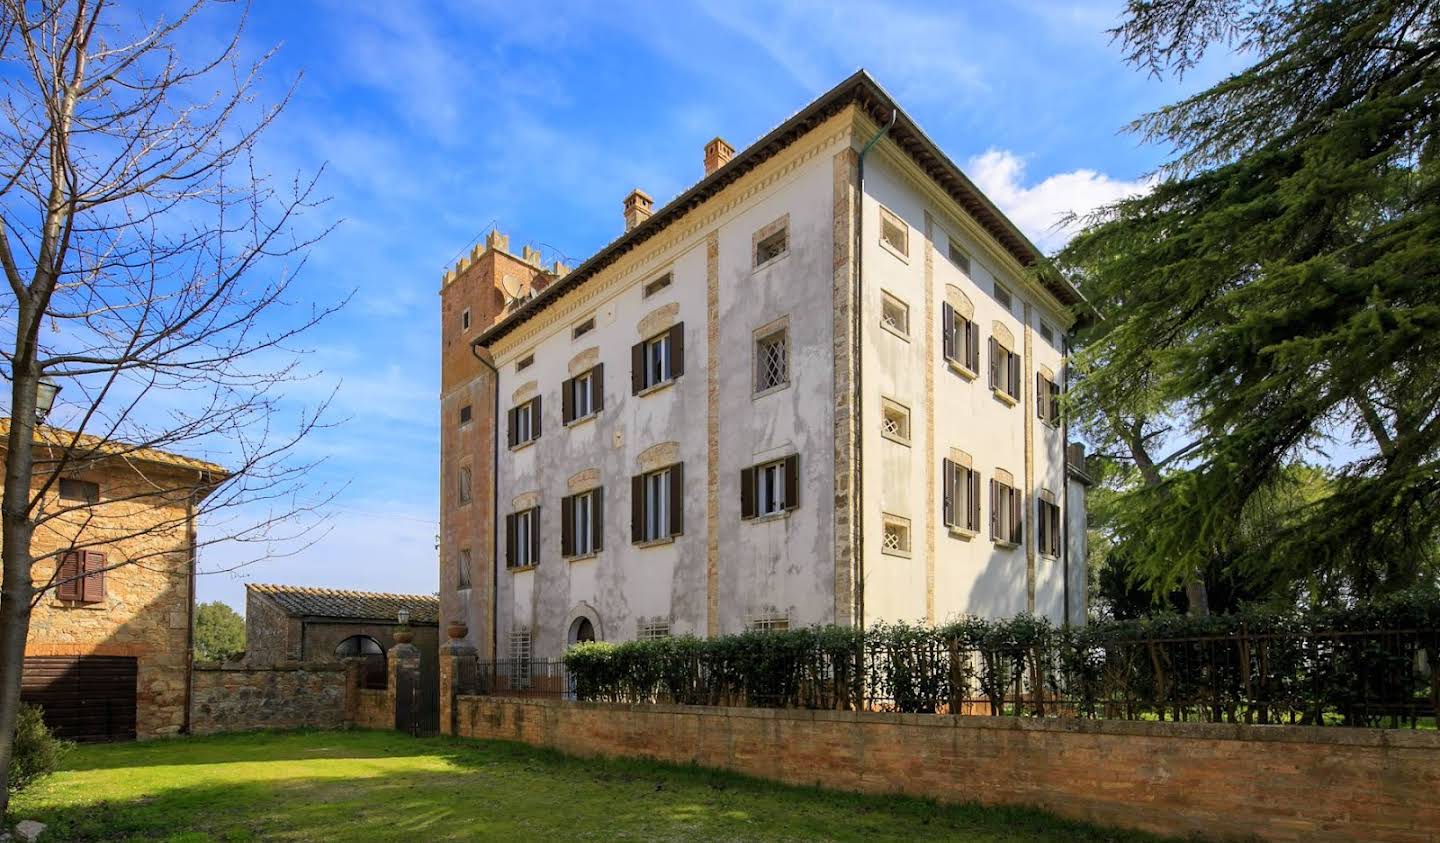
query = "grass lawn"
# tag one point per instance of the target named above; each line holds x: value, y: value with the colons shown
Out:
x: 384, y: 786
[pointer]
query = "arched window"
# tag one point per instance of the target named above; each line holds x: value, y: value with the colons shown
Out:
x: 582, y: 631
x: 373, y: 675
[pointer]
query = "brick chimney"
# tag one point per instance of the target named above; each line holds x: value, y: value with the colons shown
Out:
x: 717, y: 154
x: 638, y: 208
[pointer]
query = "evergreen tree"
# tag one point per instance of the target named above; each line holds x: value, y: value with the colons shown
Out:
x: 219, y: 632
x: 1276, y: 297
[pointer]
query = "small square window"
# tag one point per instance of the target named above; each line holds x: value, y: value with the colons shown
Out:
x: 895, y: 315
x: 771, y: 247
x: 1002, y: 295
x: 958, y: 257
x: 524, y: 362
x: 465, y: 320
x: 772, y: 361
x: 583, y: 328
x: 896, y: 538
x: 655, y: 286
x: 79, y: 491
x: 465, y: 414
x: 770, y: 623
x: 652, y: 630
x: 894, y: 232
x: 895, y: 421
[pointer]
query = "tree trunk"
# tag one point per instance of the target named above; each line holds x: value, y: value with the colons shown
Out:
x: 16, y: 587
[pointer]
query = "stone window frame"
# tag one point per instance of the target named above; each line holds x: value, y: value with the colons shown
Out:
x: 463, y: 560
x: 768, y: 621
x: 888, y: 406
x: 467, y: 415
x: 1049, y: 528
x: 766, y: 232
x: 653, y: 629
x: 464, y: 485
x: 1011, y: 534
x: 905, y: 541
x: 1004, y: 297
x: 663, y: 281
x: 965, y: 262
x: 525, y: 362
x: 759, y: 337
x: 465, y: 319
x: 893, y: 219
x: 889, y: 298
x: 582, y: 328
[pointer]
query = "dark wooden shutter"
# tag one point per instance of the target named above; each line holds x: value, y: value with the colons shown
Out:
x: 510, y: 540
x: 535, y: 536
x: 597, y: 387
x: 677, y: 350
x: 974, y: 501
x: 68, y: 577
x: 597, y: 519
x: 972, y: 331
x: 512, y: 420
x: 637, y: 508
x: 1017, y: 512
x: 792, y: 481
x: 994, y: 364
x: 567, y: 529
x: 535, y: 417
x: 994, y: 510
x: 1041, y: 396
x: 747, y: 492
x: 1055, y: 403
x: 567, y: 401
x: 92, y: 589
x: 947, y: 330
x: 637, y: 367
x: 677, y: 498
x: 947, y: 507
x: 1014, y: 376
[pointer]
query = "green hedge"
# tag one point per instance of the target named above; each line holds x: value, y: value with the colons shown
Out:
x: 1370, y: 665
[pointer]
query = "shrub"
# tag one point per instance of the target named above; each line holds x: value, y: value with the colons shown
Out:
x: 37, y: 752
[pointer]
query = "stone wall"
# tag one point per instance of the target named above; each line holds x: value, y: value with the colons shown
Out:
x: 1277, y: 783
x: 374, y: 710
x: 271, y: 635
x: 288, y: 695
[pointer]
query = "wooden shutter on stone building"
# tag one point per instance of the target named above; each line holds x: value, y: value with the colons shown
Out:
x: 947, y: 331
x: 535, y: 536
x: 637, y: 368
x: 747, y: 492
x: 68, y: 577
x: 535, y: 417
x: 597, y: 520
x: 994, y: 509
x: 947, y: 506
x: 994, y: 363
x: 567, y: 401
x: 567, y: 526
x: 597, y: 387
x: 974, y: 521
x: 792, y: 481
x: 677, y: 498
x: 92, y: 587
x: 637, y: 508
x: 513, y: 426
x: 510, y: 540
x: 677, y: 350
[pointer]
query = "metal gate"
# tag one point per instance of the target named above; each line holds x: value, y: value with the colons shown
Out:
x: 84, y: 698
x: 417, y: 698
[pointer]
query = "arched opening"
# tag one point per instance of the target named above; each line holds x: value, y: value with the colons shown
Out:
x: 582, y: 630
x: 373, y: 673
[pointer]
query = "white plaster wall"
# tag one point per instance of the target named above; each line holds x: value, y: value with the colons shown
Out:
x: 784, y: 565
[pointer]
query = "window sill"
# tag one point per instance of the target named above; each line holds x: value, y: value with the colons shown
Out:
x: 80, y: 604
x: 1005, y: 545
x: 655, y: 542
x: 761, y: 267
x: 520, y: 569
x: 896, y: 439
x: 903, y: 554
x: 1053, y: 557
x: 889, y: 247
x: 582, y: 420
x: 1050, y: 424
x: 774, y: 516
x: 1004, y: 397
x: 657, y: 387
x: 583, y: 557
x: 520, y: 446
x: 780, y: 387
x: 961, y: 369
x: 962, y: 533
x: 896, y: 331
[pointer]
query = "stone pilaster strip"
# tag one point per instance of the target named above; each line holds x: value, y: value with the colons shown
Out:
x: 927, y: 459
x: 712, y: 434
x: 845, y: 182
x: 1027, y: 496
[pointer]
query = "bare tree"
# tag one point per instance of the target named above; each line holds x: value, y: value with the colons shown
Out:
x: 151, y: 270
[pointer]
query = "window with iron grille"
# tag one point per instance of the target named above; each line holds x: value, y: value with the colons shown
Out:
x: 772, y: 361
x: 895, y: 540
x: 462, y: 569
x: 653, y: 630
x: 960, y: 339
x: 894, y: 232
x: 776, y: 622
x: 960, y: 506
x: 895, y: 421
x: 520, y: 658
x: 895, y: 315
x: 772, y: 247
x: 462, y: 485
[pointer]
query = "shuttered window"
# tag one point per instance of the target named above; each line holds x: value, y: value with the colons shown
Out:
x: 583, y: 395
x: 522, y: 538
x: 1004, y: 370
x: 81, y: 577
x: 959, y: 339
x: 1049, y: 528
x: 1006, y: 513
x: 657, y: 504
x: 524, y: 422
x: 658, y: 360
x: 961, y: 503
x: 770, y: 488
x: 581, y: 523
x: 1047, y: 399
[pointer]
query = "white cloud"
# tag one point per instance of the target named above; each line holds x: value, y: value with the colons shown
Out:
x: 1038, y: 209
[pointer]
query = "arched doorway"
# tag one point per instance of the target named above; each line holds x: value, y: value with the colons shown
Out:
x: 374, y: 674
x: 582, y: 630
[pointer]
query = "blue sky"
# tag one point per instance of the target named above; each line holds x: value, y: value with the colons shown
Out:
x: 436, y: 120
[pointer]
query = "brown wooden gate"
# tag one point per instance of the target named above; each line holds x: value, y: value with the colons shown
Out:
x: 85, y: 698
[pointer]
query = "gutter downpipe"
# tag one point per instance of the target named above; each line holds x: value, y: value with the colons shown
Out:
x: 1065, y: 491
x: 858, y: 350
x: 494, y: 507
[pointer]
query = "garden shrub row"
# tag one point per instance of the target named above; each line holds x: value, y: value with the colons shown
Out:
x: 1368, y: 665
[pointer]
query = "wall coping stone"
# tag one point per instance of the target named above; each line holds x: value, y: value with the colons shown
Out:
x: 242, y: 667
x: 1331, y: 735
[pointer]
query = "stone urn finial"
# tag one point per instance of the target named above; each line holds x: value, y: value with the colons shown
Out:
x: 456, y: 630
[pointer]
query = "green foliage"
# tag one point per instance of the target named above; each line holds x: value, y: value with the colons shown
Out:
x: 1364, y: 665
x: 1275, y: 297
x: 219, y: 632
x: 37, y: 753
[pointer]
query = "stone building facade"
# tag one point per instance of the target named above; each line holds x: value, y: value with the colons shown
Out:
x: 109, y: 650
x: 817, y: 387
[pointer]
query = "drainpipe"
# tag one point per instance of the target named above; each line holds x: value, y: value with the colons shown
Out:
x: 1065, y: 473
x: 494, y: 507
x: 858, y: 350
x: 190, y: 621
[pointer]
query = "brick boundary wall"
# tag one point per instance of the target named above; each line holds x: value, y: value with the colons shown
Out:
x: 1280, y: 783
x: 288, y: 695
x: 374, y: 710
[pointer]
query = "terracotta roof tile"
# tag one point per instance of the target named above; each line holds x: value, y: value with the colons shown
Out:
x: 88, y: 446
x: 353, y: 605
